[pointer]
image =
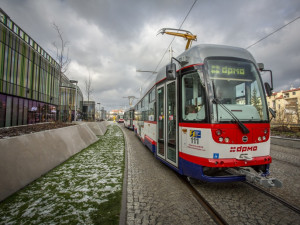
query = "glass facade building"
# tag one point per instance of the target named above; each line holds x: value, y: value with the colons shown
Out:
x: 29, y: 80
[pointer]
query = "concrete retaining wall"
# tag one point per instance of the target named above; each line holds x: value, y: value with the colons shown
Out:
x: 97, y: 128
x: 25, y: 158
x: 286, y: 142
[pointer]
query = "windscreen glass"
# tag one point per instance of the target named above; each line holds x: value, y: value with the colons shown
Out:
x: 193, y: 97
x: 236, y: 84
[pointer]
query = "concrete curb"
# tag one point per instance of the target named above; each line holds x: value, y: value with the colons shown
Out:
x: 25, y: 158
x: 123, y: 213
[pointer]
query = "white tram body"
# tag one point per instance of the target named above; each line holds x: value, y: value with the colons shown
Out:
x: 212, y: 116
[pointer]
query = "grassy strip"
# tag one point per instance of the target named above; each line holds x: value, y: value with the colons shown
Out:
x: 86, y: 189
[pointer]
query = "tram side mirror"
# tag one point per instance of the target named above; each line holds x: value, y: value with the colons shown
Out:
x: 261, y: 66
x: 171, y: 71
x: 268, y: 89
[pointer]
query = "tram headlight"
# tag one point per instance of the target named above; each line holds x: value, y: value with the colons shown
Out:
x: 218, y: 132
x: 226, y: 139
x: 264, y: 138
x: 265, y: 131
x: 259, y: 138
x: 221, y: 139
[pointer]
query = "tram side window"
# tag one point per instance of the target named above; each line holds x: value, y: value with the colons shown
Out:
x: 145, y: 105
x: 151, y: 112
x: 193, y: 98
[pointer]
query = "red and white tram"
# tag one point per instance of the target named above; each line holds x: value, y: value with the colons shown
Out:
x: 128, y: 118
x: 207, y: 112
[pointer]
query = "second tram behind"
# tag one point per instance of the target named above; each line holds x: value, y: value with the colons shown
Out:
x: 206, y: 112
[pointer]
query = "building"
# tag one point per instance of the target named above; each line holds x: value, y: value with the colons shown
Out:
x: 29, y: 80
x: 103, y: 113
x: 286, y: 105
x: 116, y: 114
x: 68, y: 98
x: 89, y: 110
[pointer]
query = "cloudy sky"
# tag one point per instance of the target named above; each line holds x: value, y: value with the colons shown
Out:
x: 111, y: 39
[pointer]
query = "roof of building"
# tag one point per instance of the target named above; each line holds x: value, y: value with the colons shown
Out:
x: 291, y: 90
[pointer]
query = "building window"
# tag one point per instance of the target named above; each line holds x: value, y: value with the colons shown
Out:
x: 2, y: 110
x: 21, y: 34
x: 16, y: 29
x: 26, y: 38
x: 9, y: 24
x: 1, y: 17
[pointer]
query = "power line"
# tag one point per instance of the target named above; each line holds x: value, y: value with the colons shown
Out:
x: 174, y: 36
x: 273, y: 32
x: 172, y: 41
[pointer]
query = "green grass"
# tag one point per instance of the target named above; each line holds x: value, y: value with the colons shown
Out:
x: 108, y: 212
x: 86, y: 189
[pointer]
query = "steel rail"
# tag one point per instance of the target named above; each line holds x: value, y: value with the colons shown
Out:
x: 208, y: 208
x: 282, y: 201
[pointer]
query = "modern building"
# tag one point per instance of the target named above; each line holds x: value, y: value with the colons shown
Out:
x: 286, y: 105
x: 29, y: 80
x: 68, y: 98
x: 103, y: 113
x: 89, y: 110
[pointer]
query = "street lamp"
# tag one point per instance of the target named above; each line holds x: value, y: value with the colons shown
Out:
x: 146, y: 71
x: 75, y: 114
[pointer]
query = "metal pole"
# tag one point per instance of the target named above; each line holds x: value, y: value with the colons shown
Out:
x: 75, y: 116
x: 98, y: 103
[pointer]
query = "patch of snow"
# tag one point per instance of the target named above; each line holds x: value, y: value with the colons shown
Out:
x: 73, y: 189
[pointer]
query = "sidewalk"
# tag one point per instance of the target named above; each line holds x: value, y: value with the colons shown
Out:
x: 155, y: 195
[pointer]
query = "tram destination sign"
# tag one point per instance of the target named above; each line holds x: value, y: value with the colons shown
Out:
x: 228, y: 68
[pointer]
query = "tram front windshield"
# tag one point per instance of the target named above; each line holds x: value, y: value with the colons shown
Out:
x: 236, y: 84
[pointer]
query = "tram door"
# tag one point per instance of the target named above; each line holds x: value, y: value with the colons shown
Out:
x: 131, y: 118
x: 167, y: 123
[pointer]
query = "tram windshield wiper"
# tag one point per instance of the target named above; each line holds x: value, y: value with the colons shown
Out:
x: 243, y: 128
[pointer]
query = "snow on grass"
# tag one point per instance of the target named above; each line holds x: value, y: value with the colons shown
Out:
x: 73, y: 191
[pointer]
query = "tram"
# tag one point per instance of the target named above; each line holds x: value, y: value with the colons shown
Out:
x: 128, y: 118
x: 205, y: 113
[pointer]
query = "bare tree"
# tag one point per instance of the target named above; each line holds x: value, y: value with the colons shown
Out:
x: 62, y: 56
x: 62, y: 50
x: 88, y: 86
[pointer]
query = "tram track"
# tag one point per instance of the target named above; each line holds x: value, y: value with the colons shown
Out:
x: 269, y: 194
x: 205, y: 204
x: 218, y: 216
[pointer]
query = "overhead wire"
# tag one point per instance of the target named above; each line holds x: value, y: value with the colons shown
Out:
x: 171, y: 42
x: 167, y: 49
x: 273, y: 32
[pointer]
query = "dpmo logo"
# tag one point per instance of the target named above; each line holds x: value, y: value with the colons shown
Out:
x: 243, y: 149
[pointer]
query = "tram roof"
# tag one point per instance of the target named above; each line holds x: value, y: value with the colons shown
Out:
x: 198, y: 53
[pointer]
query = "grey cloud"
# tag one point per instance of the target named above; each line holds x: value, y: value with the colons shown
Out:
x: 112, y: 38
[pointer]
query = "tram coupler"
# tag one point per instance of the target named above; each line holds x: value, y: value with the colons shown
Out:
x: 255, y: 177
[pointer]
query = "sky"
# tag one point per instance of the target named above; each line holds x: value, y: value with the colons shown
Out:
x: 111, y: 39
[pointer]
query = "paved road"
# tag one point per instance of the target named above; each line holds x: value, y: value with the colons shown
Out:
x: 155, y: 195
x: 286, y: 168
